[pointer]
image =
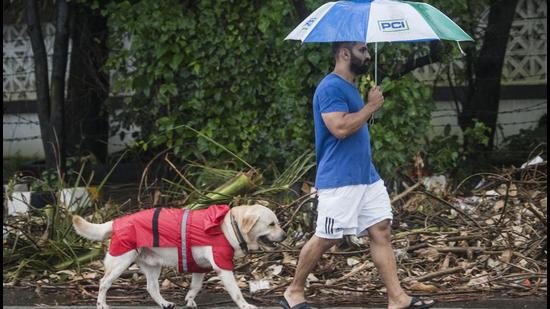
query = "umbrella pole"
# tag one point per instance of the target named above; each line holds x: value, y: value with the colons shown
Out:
x: 376, y: 63
x: 371, y: 120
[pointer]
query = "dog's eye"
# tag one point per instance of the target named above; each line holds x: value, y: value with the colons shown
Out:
x: 272, y: 224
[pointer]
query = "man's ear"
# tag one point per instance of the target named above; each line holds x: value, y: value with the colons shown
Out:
x: 345, y: 53
x: 248, y: 222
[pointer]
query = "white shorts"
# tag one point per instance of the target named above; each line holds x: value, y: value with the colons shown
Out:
x: 351, y: 210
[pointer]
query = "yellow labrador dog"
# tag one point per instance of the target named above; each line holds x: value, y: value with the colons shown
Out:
x: 238, y: 229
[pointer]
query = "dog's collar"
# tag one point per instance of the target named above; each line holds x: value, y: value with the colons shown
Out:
x: 237, y: 231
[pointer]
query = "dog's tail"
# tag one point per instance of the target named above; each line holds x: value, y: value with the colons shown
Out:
x: 92, y: 231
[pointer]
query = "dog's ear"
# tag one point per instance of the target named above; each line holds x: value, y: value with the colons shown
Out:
x: 248, y: 222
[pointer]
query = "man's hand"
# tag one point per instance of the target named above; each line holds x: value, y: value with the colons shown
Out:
x: 375, y: 99
x: 342, y: 125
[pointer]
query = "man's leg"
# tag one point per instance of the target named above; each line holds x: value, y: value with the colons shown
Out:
x: 309, y: 256
x: 384, y: 259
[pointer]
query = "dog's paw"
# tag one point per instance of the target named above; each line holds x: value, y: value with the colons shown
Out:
x: 248, y: 306
x: 168, y: 305
x: 191, y: 303
x: 102, y: 306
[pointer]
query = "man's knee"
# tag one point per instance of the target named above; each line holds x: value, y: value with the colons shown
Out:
x: 380, y: 233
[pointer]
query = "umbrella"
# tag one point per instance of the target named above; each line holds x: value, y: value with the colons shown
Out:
x: 374, y: 21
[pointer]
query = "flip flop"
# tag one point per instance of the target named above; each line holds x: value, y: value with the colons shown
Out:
x: 422, y: 304
x: 283, y: 303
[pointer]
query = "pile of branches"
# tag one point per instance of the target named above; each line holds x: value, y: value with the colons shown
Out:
x: 453, y: 244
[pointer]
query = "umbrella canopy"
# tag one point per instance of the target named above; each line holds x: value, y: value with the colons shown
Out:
x: 373, y: 21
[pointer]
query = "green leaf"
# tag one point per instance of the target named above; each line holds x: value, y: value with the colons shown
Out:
x: 176, y: 61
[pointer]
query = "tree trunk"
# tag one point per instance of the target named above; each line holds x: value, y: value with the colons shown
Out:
x: 88, y: 85
x: 413, y: 62
x: 59, y: 69
x: 50, y: 109
x: 483, y: 97
x: 41, y: 77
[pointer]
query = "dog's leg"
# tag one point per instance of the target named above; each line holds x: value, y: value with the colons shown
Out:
x: 233, y: 289
x: 196, y: 285
x: 152, y: 273
x: 114, y: 267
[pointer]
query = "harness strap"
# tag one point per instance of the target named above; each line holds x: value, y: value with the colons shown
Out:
x: 156, y: 227
x: 184, y: 264
x: 237, y: 231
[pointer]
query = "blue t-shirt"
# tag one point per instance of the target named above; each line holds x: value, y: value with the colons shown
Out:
x: 347, y: 161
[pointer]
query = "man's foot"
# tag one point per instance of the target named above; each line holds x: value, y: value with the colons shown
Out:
x: 405, y: 301
x: 417, y: 303
x: 294, y: 298
x: 283, y: 303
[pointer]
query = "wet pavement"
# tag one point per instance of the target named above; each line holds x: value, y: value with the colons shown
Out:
x: 501, y: 304
x: 21, y: 298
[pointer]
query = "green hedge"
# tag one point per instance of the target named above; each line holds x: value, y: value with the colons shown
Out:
x: 223, y: 68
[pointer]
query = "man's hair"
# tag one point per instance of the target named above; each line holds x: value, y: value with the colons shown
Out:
x: 336, y: 46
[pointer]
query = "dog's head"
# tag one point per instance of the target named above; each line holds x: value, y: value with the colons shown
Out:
x: 258, y: 224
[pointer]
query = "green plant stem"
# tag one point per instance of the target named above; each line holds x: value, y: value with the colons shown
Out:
x: 87, y: 257
x: 240, y: 183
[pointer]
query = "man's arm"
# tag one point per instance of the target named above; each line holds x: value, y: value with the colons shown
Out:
x: 342, y: 125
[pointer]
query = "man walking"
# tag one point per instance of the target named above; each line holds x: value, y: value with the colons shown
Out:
x: 352, y: 197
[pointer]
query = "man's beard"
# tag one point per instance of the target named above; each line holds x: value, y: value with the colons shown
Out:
x: 357, y: 67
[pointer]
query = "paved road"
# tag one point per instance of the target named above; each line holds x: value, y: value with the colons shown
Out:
x: 25, y: 298
x: 491, y: 304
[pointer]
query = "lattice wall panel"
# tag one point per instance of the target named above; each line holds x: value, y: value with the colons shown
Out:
x: 526, y: 54
x: 18, y: 62
x: 525, y: 61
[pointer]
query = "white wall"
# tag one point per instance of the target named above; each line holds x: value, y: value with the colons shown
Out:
x: 21, y: 137
x: 513, y: 116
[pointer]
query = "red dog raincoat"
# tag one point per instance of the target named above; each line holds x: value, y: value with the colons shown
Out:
x: 180, y: 228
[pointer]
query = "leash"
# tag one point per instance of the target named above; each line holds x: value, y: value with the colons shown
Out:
x: 240, y: 238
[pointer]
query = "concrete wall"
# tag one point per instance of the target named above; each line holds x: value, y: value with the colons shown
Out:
x: 21, y: 131
x: 21, y: 137
x: 513, y: 116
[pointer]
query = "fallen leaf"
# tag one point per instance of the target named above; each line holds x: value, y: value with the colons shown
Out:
x: 167, y: 284
x: 67, y: 272
x: 498, y: 205
x: 523, y: 263
x: 306, y: 188
x: 513, y: 190
x: 422, y: 287
x: 430, y: 254
x: 352, y: 261
x: 491, y: 193
x: 213, y: 278
x: 493, y: 263
x: 312, y: 278
x: 275, y: 269
x: 257, y: 285
x: 242, y: 284
x: 89, y: 275
x: 446, y: 262
x: 479, y: 280
x: 506, y: 256
x: 289, y: 259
